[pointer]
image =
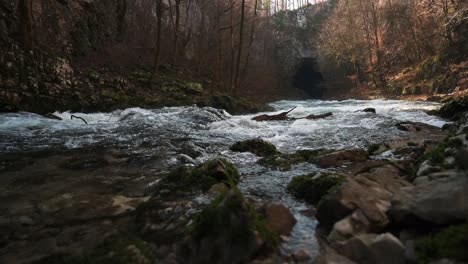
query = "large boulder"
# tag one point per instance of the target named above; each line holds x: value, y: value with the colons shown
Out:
x: 278, y: 218
x: 370, y: 192
x: 441, y: 201
x: 373, y: 249
x: 454, y: 109
x: 340, y: 157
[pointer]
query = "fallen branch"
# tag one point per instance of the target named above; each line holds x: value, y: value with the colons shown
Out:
x: 280, y: 116
x: 77, y: 117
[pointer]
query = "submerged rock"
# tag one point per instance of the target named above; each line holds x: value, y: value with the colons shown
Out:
x: 369, y: 110
x: 258, y: 147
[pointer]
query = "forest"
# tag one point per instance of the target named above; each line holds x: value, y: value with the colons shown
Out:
x: 234, y: 131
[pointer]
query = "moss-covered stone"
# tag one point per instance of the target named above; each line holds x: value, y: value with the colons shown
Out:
x: 113, y: 250
x: 313, y: 187
x: 438, y: 154
x: 230, y: 230
x: 258, y: 147
x: 205, y: 175
x: 376, y: 149
x: 450, y: 242
x: 284, y: 162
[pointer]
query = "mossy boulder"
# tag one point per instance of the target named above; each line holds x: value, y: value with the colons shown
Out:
x: 258, y: 147
x: 284, y: 162
x: 229, y: 230
x: 438, y: 154
x: 450, y: 242
x: 313, y: 187
x: 205, y: 175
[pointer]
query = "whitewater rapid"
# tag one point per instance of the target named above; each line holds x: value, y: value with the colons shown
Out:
x: 172, y: 136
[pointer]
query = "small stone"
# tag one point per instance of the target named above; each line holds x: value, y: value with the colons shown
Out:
x: 301, y: 255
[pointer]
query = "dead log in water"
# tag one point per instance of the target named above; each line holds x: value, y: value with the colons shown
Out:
x: 278, y: 117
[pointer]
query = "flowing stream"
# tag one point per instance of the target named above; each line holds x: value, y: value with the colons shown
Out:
x: 172, y: 136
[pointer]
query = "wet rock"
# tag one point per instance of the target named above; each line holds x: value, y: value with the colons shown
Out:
x: 258, y: 147
x: 454, y: 109
x: 340, y: 157
x: 369, y: 110
x: 376, y: 149
x: 229, y: 230
x: 284, y: 162
x: 313, y: 187
x: 373, y: 249
x: 321, y: 116
x: 370, y: 192
x: 52, y: 116
x: 421, y: 180
x: 408, y: 126
x: 278, y: 218
x: 441, y: 201
x: 426, y: 168
x: 434, y: 98
x: 204, y: 175
x: 328, y: 255
x: 301, y: 255
x: 355, y: 223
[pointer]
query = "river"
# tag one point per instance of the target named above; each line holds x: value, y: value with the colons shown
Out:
x: 162, y: 139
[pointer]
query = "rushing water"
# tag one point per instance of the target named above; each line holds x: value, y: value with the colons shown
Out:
x: 178, y: 135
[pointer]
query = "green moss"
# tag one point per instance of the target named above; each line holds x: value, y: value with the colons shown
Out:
x: 230, y: 218
x: 438, y: 154
x: 312, y: 188
x: 451, y: 242
x: 114, y: 250
x: 285, y: 161
x: 205, y: 175
x: 258, y: 147
x: 373, y: 148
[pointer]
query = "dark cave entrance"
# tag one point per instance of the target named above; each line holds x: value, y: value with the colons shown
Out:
x: 308, y: 78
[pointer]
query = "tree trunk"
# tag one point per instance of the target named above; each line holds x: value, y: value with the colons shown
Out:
x: 241, y: 38
x: 26, y: 23
x: 157, y: 50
